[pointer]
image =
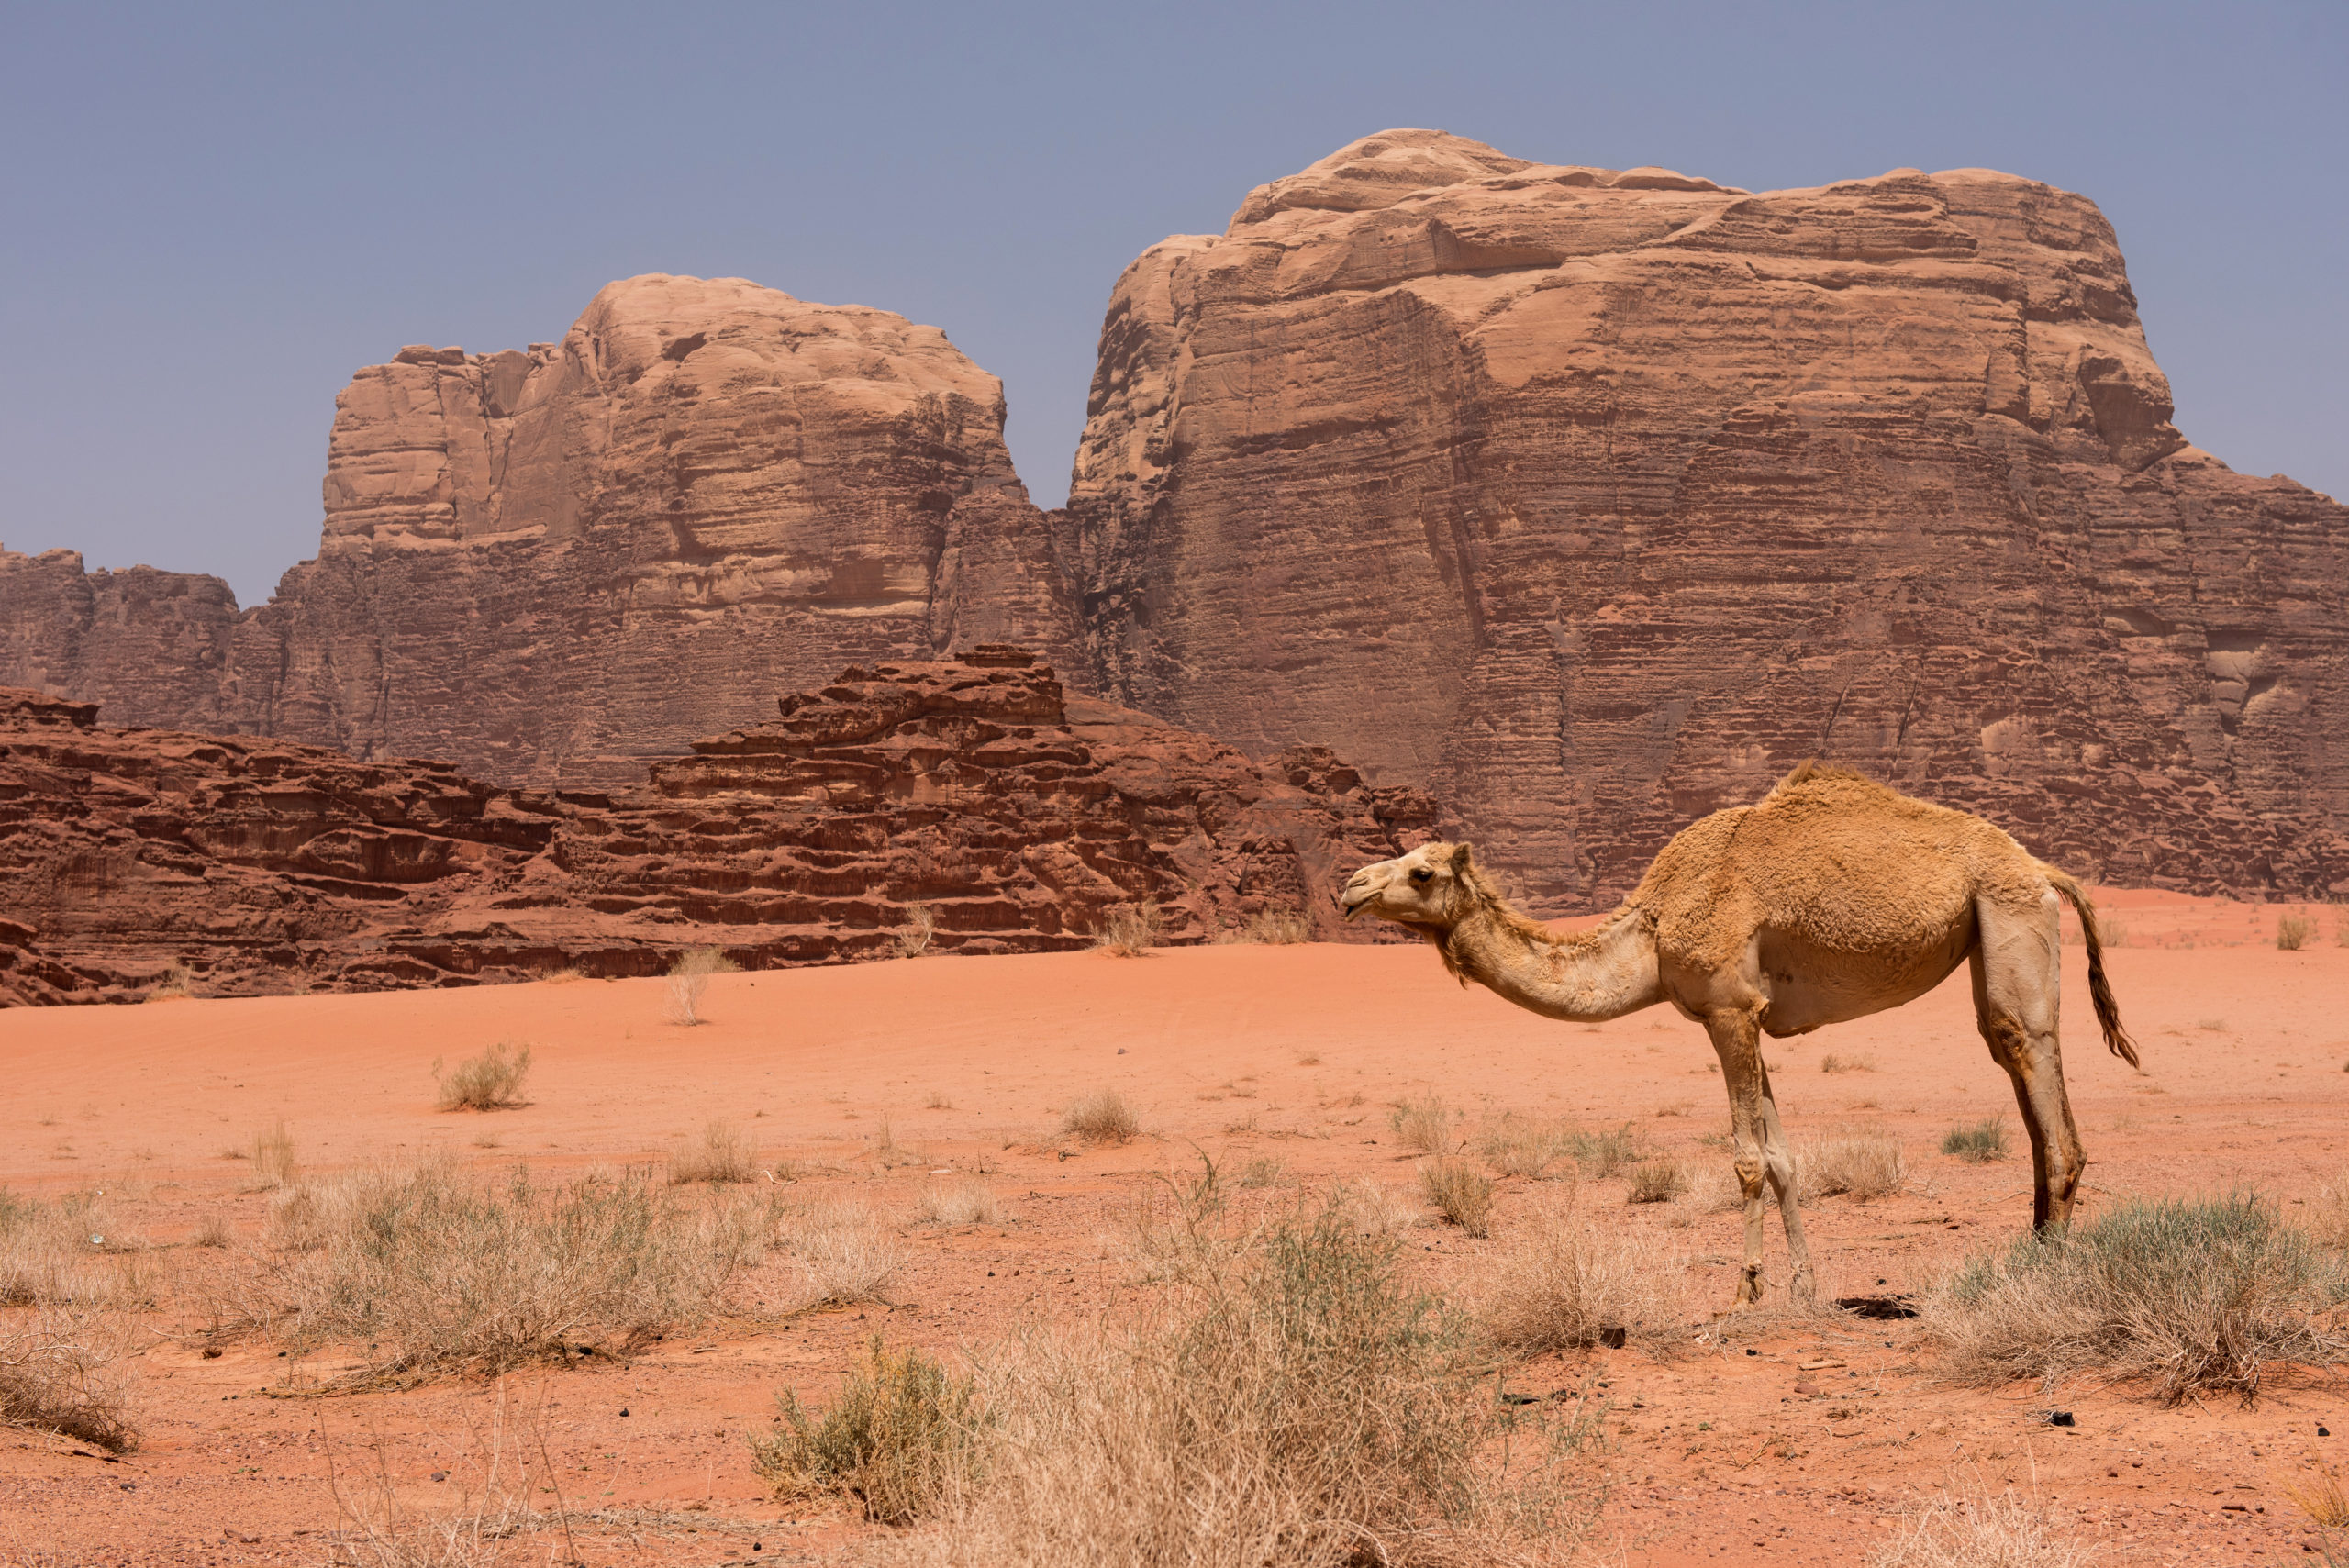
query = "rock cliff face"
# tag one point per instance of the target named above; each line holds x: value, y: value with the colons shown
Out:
x: 1016, y: 816
x: 1595, y: 498
x: 555, y: 565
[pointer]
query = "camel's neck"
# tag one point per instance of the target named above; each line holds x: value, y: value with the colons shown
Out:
x: 1583, y: 978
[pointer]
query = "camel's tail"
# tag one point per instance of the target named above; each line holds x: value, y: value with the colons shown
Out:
x: 2108, y: 1011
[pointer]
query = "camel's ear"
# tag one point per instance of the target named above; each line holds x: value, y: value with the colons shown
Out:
x: 1463, y: 858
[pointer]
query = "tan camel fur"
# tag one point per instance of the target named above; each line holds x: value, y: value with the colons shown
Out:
x: 1833, y: 898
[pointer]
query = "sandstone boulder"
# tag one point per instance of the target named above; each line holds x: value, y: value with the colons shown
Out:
x: 1593, y: 499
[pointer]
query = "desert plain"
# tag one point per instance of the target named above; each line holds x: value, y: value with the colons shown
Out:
x: 1774, y: 1436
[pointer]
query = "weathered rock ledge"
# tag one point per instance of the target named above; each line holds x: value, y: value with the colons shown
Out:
x: 1017, y: 815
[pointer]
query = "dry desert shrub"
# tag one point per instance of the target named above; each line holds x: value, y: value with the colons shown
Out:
x: 912, y: 938
x: 1295, y: 1401
x: 967, y: 1202
x: 66, y: 1251
x: 1376, y: 1209
x: 1603, y: 1154
x: 1861, y: 1163
x: 484, y: 1083
x: 2186, y: 1296
x: 1713, y: 1189
x: 273, y: 1157
x: 1423, y: 1126
x: 1102, y: 1117
x: 1131, y: 931
x: 1955, y: 1530
x: 212, y: 1231
x: 2328, y: 1215
x: 1830, y: 1062
x: 724, y: 1155
x: 1567, y: 1286
x: 903, y: 1436
x: 1658, y: 1181
x: 59, y: 1374
x: 689, y: 980
x: 2293, y: 931
x: 438, y: 1272
x: 1277, y: 927
x: 178, y: 984
x: 1980, y: 1144
x: 1263, y: 1172
x: 1459, y: 1193
x: 834, y: 1253
x: 1520, y: 1146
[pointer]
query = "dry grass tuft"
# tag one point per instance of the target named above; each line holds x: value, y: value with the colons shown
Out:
x: 904, y: 1436
x: 1980, y: 1144
x: 1658, y: 1181
x: 2320, y: 1498
x: 178, y: 984
x: 57, y: 1374
x: 1459, y: 1193
x: 1131, y: 931
x: 1102, y: 1117
x: 66, y: 1251
x: 1376, y: 1209
x: 967, y: 1202
x: 1520, y: 1146
x: 439, y: 1273
x: 1424, y: 1126
x: 2293, y: 931
x: 2185, y: 1296
x: 1276, y: 928
x: 1572, y: 1287
x: 835, y: 1253
x: 1296, y: 1401
x: 1956, y: 1532
x: 1830, y: 1062
x: 488, y: 1082
x: 213, y: 1231
x: 481, y: 1526
x: 1603, y: 1154
x: 689, y: 981
x: 272, y: 1156
x: 724, y: 1155
x: 1863, y: 1163
x: 912, y: 938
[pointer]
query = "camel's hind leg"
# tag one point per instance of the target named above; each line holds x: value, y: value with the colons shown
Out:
x: 1762, y: 1151
x: 2017, y: 971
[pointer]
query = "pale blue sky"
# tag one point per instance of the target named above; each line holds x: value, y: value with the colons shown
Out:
x: 213, y: 215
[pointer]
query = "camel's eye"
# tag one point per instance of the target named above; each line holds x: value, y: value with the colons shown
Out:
x: 1423, y: 874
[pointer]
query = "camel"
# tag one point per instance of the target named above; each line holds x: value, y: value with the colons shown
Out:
x: 1833, y: 898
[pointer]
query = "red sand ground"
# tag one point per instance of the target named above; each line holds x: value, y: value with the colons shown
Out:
x: 1247, y: 1050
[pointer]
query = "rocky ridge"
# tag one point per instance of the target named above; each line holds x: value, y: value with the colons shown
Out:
x: 555, y: 565
x: 1015, y: 814
x: 1595, y: 498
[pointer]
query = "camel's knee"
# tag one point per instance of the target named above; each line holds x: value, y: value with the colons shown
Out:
x: 1751, y: 1171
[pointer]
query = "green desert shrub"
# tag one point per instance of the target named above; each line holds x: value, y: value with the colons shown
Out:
x: 2185, y: 1295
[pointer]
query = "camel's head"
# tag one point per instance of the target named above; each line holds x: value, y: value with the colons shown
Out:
x: 1433, y: 888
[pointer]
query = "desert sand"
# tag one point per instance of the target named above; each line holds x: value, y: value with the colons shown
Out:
x: 1243, y: 1053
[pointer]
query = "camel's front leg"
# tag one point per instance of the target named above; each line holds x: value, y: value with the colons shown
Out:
x: 1737, y: 1041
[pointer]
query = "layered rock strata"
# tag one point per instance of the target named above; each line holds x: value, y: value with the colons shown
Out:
x: 552, y: 566
x: 1595, y: 498
x: 1016, y: 815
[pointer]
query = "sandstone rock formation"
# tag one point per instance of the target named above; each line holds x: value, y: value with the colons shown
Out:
x: 1595, y: 498
x: 1017, y: 815
x: 551, y: 566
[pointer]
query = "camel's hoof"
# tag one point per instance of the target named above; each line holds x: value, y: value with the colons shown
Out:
x: 1749, y: 1289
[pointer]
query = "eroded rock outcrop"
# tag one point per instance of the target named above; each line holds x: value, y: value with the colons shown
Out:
x: 1018, y: 816
x: 555, y: 565
x: 1595, y: 498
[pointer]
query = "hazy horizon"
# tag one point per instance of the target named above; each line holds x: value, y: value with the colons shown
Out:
x: 219, y: 217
